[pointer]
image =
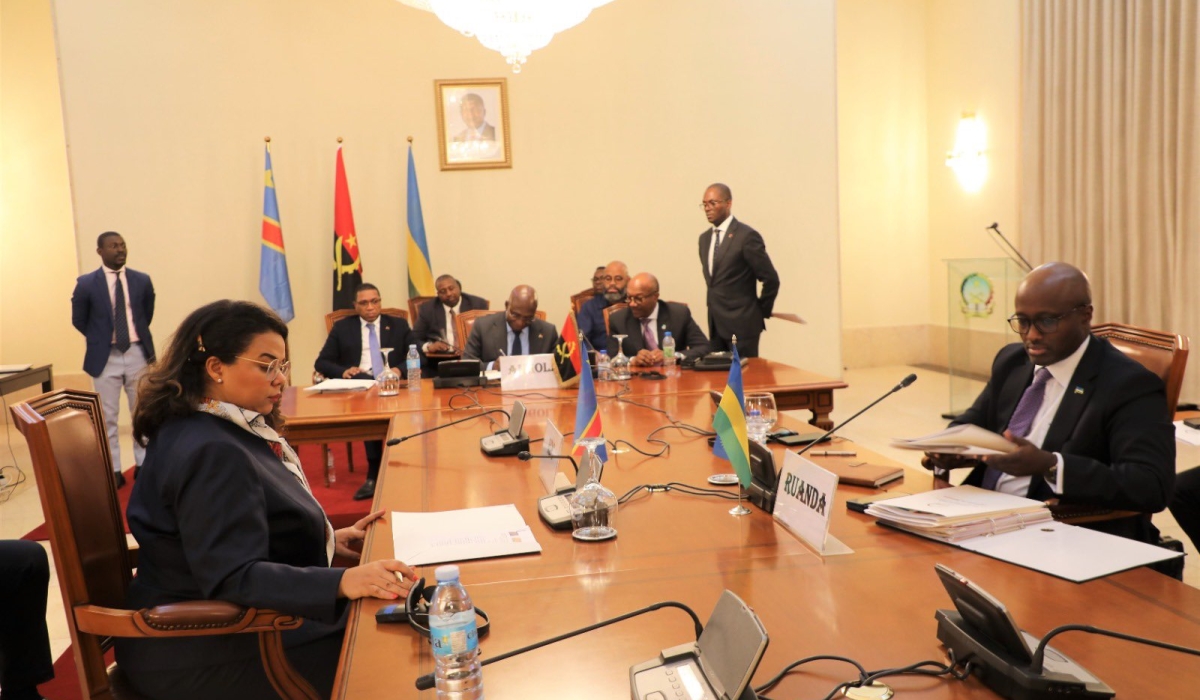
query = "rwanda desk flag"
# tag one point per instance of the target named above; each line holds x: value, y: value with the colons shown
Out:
x: 730, y: 424
x: 587, y: 415
x: 272, y: 267
x: 568, y: 353
x: 347, y: 266
x: 420, y: 269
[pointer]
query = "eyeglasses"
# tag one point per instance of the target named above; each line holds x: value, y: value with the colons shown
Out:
x: 712, y: 203
x: 642, y: 298
x: 1044, y: 324
x: 274, y: 368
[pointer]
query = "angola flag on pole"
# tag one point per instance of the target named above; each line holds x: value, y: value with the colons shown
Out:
x: 273, y: 280
x: 420, y: 269
x: 347, y: 265
x: 730, y: 424
x: 587, y: 415
x: 568, y: 353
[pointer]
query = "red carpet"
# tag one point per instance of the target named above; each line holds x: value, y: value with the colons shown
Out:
x: 65, y: 685
x: 336, y: 499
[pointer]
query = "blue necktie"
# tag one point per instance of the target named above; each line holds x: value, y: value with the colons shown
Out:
x: 1022, y: 418
x: 517, y: 347
x: 376, y: 355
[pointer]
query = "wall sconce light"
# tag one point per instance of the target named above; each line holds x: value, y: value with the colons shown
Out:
x: 969, y: 160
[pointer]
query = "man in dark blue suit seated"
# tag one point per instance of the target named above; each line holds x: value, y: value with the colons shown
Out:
x: 24, y: 639
x: 113, y: 307
x: 353, y: 350
x: 648, y: 319
x: 434, y: 325
x: 591, y: 314
x: 1091, y: 425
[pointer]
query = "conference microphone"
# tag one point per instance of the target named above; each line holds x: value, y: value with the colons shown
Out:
x: 527, y: 455
x: 1011, y: 250
x: 555, y: 509
x: 397, y: 441
x: 903, y: 383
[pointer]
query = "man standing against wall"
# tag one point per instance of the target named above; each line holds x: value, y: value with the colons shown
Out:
x: 734, y: 260
x: 113, y: 307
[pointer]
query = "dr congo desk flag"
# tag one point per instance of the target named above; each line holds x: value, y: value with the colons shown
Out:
x: 730, y: 423
x: 272, y: 266
x: 568, y: 353
x: 587, y: 415
x: 347, y: 265
x: 420, y: 270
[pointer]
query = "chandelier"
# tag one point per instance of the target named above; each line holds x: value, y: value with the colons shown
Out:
x: 514, y: 28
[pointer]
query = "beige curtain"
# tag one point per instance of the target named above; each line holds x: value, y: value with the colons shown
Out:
x: 1110, y: 162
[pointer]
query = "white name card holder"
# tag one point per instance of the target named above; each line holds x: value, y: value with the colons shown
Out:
x: 523, y: 372
x: 804, y: 503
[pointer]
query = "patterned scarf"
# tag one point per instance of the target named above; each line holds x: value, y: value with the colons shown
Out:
x: 255, y: 424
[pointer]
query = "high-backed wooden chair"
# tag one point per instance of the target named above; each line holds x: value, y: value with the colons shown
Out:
x: 1164, y: 354
x: 415, y: 303
x: 69, y: 449
x: 578, y: 300
x: 609, y: 311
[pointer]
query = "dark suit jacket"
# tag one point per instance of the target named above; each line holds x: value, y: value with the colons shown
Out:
x: 218, y: 517
x: 489, y: 338
x: 343, y: 348
x: 673, y: 317
x: 431, y: 318
x: 1112, y: 428
x: 92, y: 315
x: 734, y: 305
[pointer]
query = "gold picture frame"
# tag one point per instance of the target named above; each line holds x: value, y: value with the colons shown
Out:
x: 472, y: 118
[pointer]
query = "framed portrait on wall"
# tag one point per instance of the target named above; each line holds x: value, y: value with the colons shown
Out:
x: 473, y: 123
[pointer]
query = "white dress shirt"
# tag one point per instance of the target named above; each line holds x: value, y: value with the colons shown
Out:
x: 110, y: 276
x: 449, y: 336
x: 1056, y: 387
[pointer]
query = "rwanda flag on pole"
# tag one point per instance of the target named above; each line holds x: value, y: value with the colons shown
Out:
x: 420, y: 270
x: 272, y: 267
x: 587, y: 415
x: 730, y: 424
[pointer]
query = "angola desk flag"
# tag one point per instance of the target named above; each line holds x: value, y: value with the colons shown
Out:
x: 273, y: 281
x: 730, y: 424
x: 420, y: 269
x: 587, y: 415
x: 568, y: 353
x: 347, y: 265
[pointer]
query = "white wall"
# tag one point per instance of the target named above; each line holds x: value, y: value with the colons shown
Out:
x: 617, y: 127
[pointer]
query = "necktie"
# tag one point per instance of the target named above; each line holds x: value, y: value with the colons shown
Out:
x: 120, y: 320
x: 648, y: 335
x: 450, y: 329
x: 376, y: 354
x: 712, y: 254
x: 517, y: 348
x: 1022, y: 417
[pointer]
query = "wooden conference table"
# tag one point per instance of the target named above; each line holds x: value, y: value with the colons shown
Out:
x: 876, y: 605
x: 336, y: 417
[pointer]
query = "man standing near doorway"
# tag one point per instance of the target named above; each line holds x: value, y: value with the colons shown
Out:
x: 734, y: 260
x: 113, y: 307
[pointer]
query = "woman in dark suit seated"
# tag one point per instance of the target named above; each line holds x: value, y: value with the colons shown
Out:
x: 221, y: 511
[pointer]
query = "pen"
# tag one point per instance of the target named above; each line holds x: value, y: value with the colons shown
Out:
x: 835, y: 453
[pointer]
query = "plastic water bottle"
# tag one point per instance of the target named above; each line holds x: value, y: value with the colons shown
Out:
x: 668, y: 351
x: 413, y: 365
x: 602, y: 372
x: 457, y: 672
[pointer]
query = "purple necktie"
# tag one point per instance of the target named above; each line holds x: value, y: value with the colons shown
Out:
x: 1022, y: 417
x: 648, y: 335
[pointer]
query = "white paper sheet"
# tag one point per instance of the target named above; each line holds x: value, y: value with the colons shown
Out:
x: 1184, y: 434
x: 331, y: 385
x: 460, y: 535
x: 959, y: 502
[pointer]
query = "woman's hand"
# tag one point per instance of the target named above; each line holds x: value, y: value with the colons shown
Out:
x: 387, y: 578
x: 343, y: 538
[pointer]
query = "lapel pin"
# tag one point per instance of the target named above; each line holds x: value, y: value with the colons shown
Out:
x: 1079, y: 390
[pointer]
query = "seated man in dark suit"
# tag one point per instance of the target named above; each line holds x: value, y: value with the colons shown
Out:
x: 1091, y: 425
x: 591, y: 314
x: 647, y: 320
x: 518, y: 331
x: 25, y: 659
x: 353, y: 350
x: 1185, y: 504
x: 434, y: 325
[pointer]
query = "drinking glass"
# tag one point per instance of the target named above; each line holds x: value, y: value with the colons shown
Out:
x: 761, y: 416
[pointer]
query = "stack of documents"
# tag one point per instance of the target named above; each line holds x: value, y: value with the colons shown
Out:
x: 960, y: 513
x: 458, y: 535
x: 342, y: 385
x: 960, y: 440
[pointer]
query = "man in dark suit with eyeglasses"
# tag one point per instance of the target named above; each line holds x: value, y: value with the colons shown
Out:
x: 1092, y: 427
